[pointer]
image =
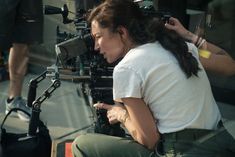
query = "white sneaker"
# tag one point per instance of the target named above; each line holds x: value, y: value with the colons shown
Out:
x: 18, y: 102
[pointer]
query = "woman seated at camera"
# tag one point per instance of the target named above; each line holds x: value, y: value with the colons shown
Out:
x: 162, y: 93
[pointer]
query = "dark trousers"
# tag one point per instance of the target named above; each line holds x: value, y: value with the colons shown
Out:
x: 21, y: 21
x: 197, y: 143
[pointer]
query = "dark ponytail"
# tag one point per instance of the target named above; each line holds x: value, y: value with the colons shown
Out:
x: 171, y: 41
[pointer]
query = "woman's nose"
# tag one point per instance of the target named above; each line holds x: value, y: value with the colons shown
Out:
x: 96, y: 46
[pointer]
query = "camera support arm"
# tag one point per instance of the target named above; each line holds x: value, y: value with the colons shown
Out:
x: 46, y: 94
x: 34, y: 120
x: 51, y: 72
x: 33, y: 84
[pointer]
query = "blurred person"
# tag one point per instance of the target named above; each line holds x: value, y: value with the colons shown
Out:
x: 161, y: 91
x: 21, y: 23
x: 215, y: 59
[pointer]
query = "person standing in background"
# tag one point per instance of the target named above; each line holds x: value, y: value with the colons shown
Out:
x: 21, y: 24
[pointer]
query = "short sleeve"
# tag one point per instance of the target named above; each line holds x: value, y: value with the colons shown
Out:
x: 126, y: 83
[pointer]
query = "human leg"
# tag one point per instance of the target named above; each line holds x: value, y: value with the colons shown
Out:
x: 99, y: 145
x: 18, y: 60
x: 18, y: 55
x: 26, y: 30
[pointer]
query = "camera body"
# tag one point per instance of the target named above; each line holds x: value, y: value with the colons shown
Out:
x: 76, y: 54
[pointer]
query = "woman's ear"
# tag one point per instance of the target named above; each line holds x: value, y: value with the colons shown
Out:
x: 122, y: 31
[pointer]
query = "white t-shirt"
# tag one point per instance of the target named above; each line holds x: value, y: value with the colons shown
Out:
x: 152, y: 73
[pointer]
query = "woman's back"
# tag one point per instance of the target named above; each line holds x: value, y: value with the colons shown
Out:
x: 178, y: 102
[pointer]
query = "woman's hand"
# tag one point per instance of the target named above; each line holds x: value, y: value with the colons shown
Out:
x: 175, y: 25
x: 115, y: 113
x: 137, y: 119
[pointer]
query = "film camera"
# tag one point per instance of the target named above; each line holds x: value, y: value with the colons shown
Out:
x: 78, y: 61
x: 94, y: 75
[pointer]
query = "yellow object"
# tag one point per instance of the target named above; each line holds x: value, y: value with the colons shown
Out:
x: 204, y: 53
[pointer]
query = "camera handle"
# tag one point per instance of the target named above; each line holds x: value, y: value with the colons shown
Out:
x: 49, y: 10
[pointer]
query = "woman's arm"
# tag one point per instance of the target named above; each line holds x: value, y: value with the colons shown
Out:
x: 217, y: 60
x: 136, y: 117
x: 140, y: 122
